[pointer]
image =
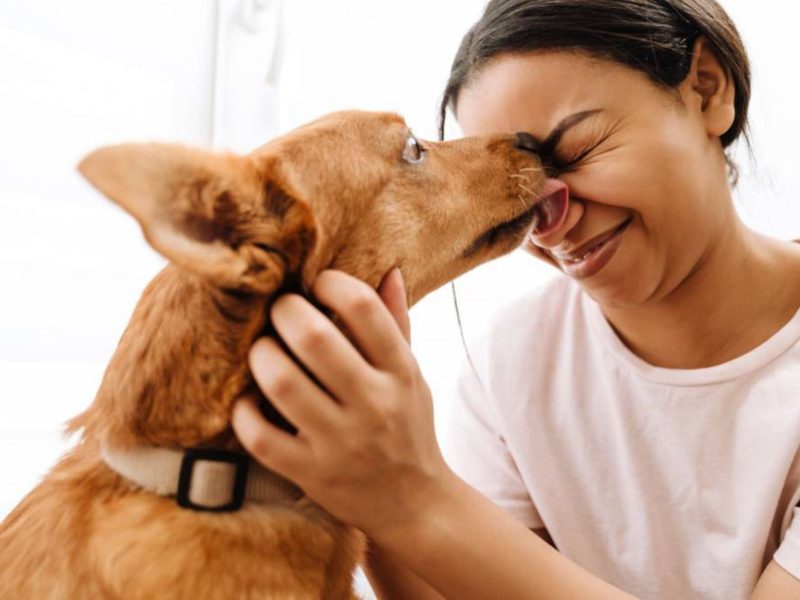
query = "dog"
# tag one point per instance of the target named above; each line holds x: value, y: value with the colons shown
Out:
x: 354, y: 191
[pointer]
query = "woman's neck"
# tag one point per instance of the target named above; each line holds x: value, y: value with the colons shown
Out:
x: 744, y: 290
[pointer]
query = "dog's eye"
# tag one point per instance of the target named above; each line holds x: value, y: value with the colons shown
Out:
x: 413, y: 153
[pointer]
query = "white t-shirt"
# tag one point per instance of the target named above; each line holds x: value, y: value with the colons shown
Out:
x: 669, y: 484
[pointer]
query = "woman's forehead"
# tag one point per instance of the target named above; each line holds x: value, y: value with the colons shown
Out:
x: 534, y: 92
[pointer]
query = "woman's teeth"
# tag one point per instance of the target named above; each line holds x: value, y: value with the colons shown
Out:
x: 574, y: 261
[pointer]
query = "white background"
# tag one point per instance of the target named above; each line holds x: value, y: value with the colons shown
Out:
x: 79, y: 74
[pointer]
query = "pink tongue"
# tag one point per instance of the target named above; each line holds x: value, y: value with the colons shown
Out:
x: 551, y: 210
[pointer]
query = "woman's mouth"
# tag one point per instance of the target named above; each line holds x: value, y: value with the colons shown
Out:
x: 590, y: 258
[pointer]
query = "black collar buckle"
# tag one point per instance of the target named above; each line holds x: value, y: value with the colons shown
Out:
x: 191, y: 456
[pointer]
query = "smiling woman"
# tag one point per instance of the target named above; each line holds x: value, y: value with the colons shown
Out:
x: 672, y: 320
x: 639, y: 413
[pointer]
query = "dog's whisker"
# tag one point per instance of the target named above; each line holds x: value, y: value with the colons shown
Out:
x: 527, y: 189
x: 534, y: 169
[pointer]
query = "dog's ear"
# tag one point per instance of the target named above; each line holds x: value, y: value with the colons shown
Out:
x: 218, y: 215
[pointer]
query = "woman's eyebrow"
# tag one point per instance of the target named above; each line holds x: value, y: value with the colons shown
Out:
x: 554, y: 137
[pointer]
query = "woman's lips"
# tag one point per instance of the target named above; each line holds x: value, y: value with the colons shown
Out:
x: 551, y: 210
x: 595, y: 255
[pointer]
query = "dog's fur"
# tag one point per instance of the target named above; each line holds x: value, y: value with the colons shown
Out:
x: 238, y: 230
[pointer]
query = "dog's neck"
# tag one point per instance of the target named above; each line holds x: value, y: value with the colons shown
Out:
x: 179, y: 366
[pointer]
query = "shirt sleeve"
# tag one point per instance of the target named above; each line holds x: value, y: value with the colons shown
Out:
x: 476, y: 451
x: 788, y: 553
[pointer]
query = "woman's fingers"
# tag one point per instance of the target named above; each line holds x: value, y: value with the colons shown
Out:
x: 364, y: 411
x: 274, y: 448
x: 371, y: 325
x: 288, y: 387
x: 319, y: 345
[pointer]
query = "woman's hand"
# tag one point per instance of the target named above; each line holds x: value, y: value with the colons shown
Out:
x: 366, y: 449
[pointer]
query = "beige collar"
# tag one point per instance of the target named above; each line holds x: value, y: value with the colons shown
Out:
x: 201, y: 479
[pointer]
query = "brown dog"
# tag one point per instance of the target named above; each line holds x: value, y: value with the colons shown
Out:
x: 352, y: 191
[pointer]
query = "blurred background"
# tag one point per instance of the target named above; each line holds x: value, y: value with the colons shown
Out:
x: 231, y: 74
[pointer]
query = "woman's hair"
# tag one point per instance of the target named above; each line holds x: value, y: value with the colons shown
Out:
x: 655, y: 37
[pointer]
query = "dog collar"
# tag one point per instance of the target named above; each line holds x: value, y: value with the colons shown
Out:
x: 199, y: 478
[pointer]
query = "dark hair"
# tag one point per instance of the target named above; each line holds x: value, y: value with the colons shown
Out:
x: 653, y: 36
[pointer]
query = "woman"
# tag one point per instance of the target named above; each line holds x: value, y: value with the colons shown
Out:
x: 642, y: 413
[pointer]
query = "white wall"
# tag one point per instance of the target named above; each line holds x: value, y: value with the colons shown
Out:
x: 769, y: 194
x: 74, y: 75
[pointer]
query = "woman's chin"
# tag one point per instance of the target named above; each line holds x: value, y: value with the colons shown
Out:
x: 619, y: 286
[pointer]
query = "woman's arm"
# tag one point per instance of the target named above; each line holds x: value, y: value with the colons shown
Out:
x: 776, y: 584
x: 390, y: 580
x: 466, y: 547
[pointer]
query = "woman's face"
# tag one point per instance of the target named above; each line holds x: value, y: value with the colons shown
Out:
x: 648, y: 199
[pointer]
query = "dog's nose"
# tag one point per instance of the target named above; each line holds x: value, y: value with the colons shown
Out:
x: 525, y: 141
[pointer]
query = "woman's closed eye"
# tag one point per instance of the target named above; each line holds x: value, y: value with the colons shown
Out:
x: 571, y: 161
x: 574, y: 152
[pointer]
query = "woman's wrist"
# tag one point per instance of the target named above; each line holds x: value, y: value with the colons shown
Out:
x: 419, y: 504
x: 430, y: 514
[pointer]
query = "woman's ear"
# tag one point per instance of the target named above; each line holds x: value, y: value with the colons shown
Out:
x: 217, y: 215
x: 713, y: 83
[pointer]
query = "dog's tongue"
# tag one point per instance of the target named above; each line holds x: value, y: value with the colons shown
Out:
x: 551, y: 209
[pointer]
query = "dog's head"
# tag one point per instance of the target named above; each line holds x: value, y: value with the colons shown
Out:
x: 354, y: 191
